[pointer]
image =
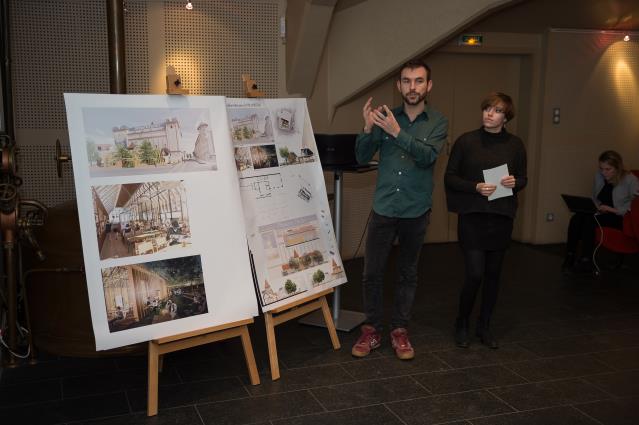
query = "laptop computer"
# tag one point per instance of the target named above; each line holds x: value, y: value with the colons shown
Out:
x: 336, y: 149
x: 580, y: 204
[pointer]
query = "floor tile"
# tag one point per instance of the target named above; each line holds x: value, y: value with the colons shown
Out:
x: 478, y: 355
x: 372, y: 415
x: 177, y: 416
x: 448, y: 408
x: 613, y: 412
x: 364, y: 393
x: 564, y: 415
x: 300, y: 379
x: 624, y: 359
x: 29, y: 393
x: 64, y: 367
x: 255, y: 409
x: 432, y: 342
x: 81, y: 408
x: 549, y: 394
x: 189, y: 393
x: 620, y: 384
x: 221, y: 367
x: 582, y: 344
x: 475, y: 378
x: 387, y: 367
x: 319, y: 355
x: 558, y: 367
x: 105, y: 383
x: 507, y: 334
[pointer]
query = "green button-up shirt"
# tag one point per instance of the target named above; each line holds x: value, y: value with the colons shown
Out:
x: 405, y: 175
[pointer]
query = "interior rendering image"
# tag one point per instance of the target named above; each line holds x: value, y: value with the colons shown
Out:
x: 141, y: 218
x: 313, y: 212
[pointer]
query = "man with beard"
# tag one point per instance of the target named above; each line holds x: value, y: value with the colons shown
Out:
x: 408, y: 139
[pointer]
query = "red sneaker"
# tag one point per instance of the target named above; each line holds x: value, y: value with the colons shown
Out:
x: 367, y: 341
x: 401, y: 344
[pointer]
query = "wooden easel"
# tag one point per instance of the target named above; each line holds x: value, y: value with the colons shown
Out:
x: 291, y: 311
x: 161, y: 346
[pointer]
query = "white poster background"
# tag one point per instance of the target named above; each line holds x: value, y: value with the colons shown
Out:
x: 215, y: 214
x: 285, y: 203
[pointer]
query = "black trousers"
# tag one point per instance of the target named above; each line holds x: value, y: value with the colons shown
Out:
x: 382, y: 231
x: 483, y: 269
x: 582, y: 228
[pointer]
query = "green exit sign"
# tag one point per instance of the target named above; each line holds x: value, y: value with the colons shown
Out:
x: 471, y: 40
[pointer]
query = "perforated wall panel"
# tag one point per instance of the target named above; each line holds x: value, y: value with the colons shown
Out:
x: 212, y: 45
x: 37, y: 168
x: 56, y: 47
x: 136, y: 46
x: 61, y: 46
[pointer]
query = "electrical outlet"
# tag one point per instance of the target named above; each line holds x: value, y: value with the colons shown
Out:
x: 550, y: 216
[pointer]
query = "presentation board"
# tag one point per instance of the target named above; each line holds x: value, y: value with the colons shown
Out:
x: 288, y: 220
x: 160, y: 214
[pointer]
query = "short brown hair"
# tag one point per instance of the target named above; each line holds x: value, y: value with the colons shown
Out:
x: 614, y: 159
x: 499, y: 98
x: 412, y: 64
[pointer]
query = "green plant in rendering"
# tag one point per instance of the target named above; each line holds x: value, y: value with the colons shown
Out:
x: 290, y: 286
x: 318, y: 276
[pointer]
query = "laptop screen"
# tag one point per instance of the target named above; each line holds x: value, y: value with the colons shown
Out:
x: 336, y: 149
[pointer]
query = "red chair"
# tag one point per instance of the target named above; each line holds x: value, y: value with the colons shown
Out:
x: 625, y: 241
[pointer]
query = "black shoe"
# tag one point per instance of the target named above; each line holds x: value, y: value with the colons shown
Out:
x: 461, y: 333
x: 486, y: 337
x: 584, y: 265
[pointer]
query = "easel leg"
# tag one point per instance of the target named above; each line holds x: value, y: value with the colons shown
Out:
x: 152, y: 406
x: 272, y: 347
x: 248, y: 355
x: 330, y: 325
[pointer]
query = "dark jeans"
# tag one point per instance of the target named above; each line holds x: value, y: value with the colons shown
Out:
x: 582, y: 228
x: 382, y: 232
x: 483, y: 268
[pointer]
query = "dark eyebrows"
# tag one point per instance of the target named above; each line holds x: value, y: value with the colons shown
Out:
x: 417, y: 80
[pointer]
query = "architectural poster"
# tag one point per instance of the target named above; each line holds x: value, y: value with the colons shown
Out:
x: 161, y: 215
x: 288, y: 220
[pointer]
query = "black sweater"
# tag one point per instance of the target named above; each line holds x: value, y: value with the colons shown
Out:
x: 474, y: 152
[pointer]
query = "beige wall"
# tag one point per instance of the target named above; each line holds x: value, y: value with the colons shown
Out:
x: 594, y: 79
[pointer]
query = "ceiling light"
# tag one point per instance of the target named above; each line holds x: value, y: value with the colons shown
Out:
x: 189, y: 5
x: 626, y: 38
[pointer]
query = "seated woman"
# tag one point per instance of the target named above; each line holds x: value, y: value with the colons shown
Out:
x: 613, y: 191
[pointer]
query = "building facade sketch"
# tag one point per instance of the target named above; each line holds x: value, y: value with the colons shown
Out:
x: 159, y: 141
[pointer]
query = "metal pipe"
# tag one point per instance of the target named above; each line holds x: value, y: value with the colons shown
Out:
x: 12, y: 293
x: 115, y: 34
x: 337, y: 222
x: 7, y: 93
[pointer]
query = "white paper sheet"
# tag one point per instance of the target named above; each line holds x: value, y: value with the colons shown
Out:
x: 494, y: 176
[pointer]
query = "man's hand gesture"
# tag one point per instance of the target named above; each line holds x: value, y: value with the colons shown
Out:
x: 384, y: 119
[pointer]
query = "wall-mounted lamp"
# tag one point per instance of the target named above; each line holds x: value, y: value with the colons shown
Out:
x: 189, y: 5
x: 626, y: 38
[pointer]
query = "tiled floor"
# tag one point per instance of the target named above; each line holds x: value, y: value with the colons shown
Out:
x: 569, y: 355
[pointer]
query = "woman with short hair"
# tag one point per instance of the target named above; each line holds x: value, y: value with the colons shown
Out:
x: 484, y: 226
